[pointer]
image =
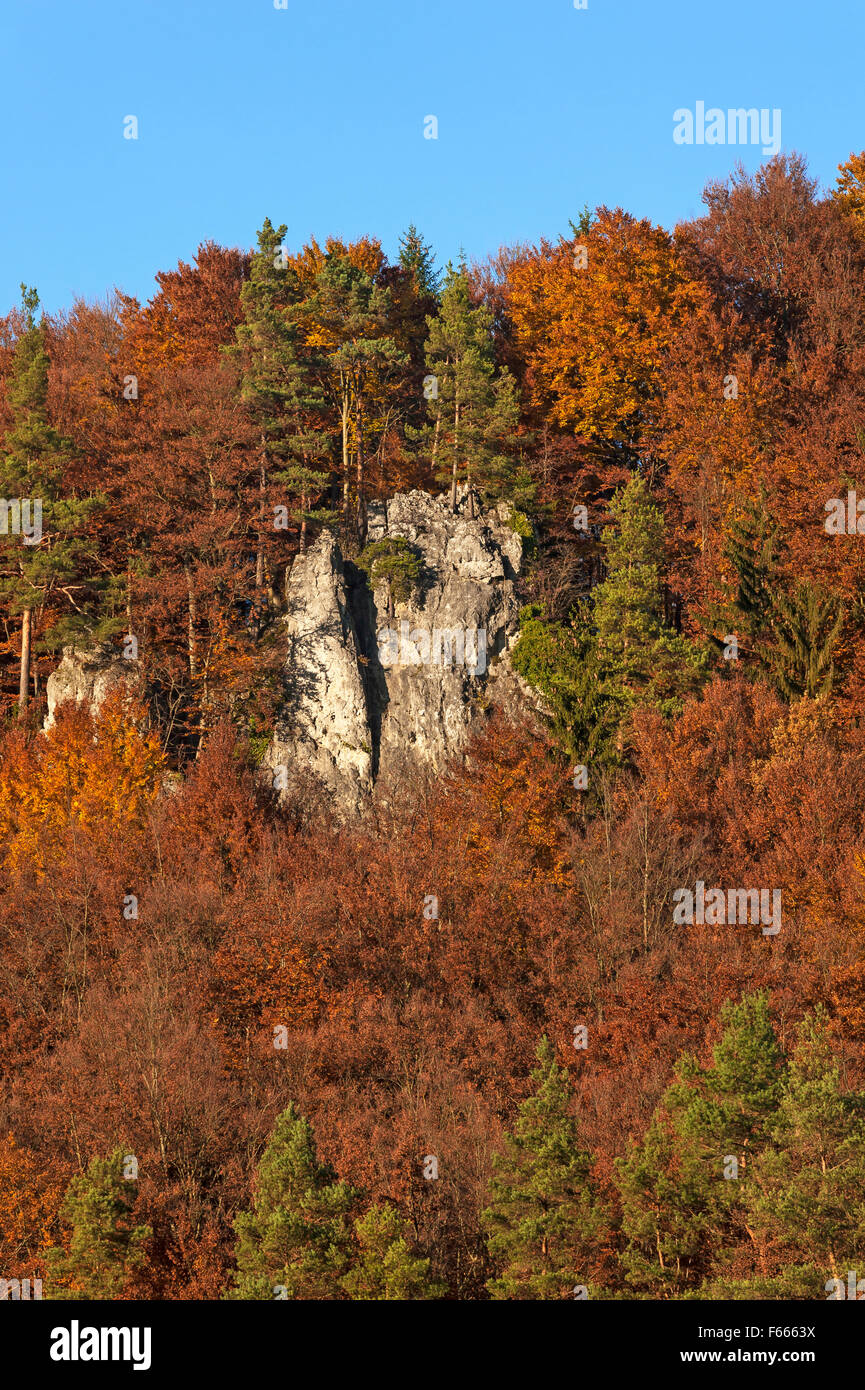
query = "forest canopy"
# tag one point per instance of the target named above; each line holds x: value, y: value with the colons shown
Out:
x: 240, y: 1057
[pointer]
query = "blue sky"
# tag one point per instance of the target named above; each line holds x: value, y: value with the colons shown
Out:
x: 314, y: 116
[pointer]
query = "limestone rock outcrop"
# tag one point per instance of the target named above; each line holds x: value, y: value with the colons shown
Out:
x: 88, y: 675
x: 374, y: 698
x: 324, y: 729
x: 379, y: 691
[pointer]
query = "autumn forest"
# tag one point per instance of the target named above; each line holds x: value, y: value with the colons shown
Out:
x: 241, y: 1057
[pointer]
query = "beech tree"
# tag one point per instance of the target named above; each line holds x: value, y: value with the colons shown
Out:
x: 596, y: 334
x: 850, y: 187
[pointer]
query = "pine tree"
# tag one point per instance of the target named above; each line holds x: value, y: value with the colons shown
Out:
x: 616, y: 653
x: 544, y: 1219
x: 747, y: 1074
x: 385, y: 1267
x: 279, y: 389
x: 394, y: 561
x: 346, y: 324
x: 51, y: 578
x: 641, y: 659
x: 682, y: 1208
x: 473, y: 412
x: 672, y: 1203
x: 303, y: 485
x: 810, y: 1180
x: 296, y: 1242
x: 105, y: 1247
x: 416, y: 257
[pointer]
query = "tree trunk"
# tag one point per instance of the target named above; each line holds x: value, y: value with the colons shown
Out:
x: 360, y: 477
x: 435, y: 447
x: 192, y: 614
x: 259, y: 557
x: 24, y: 682
x: 456, y: 451
x: 470, y: 493
x: 346, y: 412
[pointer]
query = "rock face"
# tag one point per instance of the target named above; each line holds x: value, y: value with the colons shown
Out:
x: 324, y: 726
x: 373, y: 700
x: 88, y: 675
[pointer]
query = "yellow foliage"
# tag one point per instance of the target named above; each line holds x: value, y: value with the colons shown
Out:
x: 29, y: 1204
x: 95, y: 772
x: 597, y: 337
x: 851, y: 188
x: 365, y: 254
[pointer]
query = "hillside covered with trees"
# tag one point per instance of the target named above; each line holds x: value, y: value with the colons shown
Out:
x: 462, y: 1047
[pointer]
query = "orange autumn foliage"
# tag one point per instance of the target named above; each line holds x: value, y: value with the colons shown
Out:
x: 850, y: 188
x: 97, y: 772
x: 263, y: 979
x: 30, y: 1202
x: 596, y: 338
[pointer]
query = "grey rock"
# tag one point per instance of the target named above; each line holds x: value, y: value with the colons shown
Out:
x: 89, y: 676
x: 323, y: 725
x: 365, y: 712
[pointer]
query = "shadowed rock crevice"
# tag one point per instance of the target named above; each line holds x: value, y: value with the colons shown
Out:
x: 363, y: 712
x: 366, y: 623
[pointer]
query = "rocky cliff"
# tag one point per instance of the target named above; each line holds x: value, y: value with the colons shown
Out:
x: 374, y: 698
x: 376, y: 693
x: 89, y: 676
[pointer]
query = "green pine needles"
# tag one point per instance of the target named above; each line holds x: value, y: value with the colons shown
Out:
x: 105, y: 1246
x: 544, y: 1219
x: 617, y: 653
x: 395, y: 562
x: 305, y: 1238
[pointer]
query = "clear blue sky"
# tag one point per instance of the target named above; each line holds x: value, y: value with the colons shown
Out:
x: 314, y: 115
